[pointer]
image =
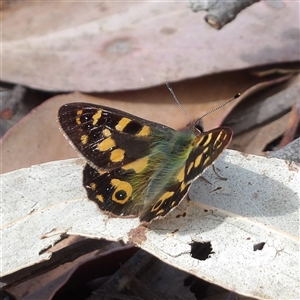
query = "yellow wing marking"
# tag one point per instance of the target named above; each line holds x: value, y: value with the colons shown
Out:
x: 122, y: 124
x: 106, y: 144
x: 106, y: 132
x: 145, y: 131
x: 79, y: 113
x: 97, y: 116
x: 84, y: 139
x: 161, y: 200
x: 117, y: 155
x: 138, y: 165
x: 93, y: 186
x: 180, y: 176
x: 100, y: 198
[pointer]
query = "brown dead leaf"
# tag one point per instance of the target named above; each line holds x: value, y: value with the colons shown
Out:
x: 263, y: 114
x: 105, y: 46
x: 47, y: 285
x: 40, y: 140
x: 263, y: 103
x: 255, y: 140
x: 292, y: 125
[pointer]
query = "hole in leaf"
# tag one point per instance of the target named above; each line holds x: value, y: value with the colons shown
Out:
x: 201, y: 251
x: 258, y: 246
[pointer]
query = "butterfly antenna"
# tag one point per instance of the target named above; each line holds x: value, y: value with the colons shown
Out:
x: 174, y: 96
x: 233, y: 98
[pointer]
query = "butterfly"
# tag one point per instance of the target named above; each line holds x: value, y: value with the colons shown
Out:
x: 136, y: 167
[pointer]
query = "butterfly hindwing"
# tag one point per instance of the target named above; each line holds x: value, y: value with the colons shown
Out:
x: 165, y: 203
x: 114, y: 192
x: 111, y: 191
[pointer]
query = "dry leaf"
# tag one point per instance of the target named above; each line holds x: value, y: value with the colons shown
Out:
x: 105, y: 46
x: 257, y: 205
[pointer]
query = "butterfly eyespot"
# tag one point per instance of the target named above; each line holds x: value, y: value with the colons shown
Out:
x: 121, y: 195
x: 123, y: 191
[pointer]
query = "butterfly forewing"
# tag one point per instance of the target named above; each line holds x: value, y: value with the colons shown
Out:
x: 106, y: 137
x: 208, y: 146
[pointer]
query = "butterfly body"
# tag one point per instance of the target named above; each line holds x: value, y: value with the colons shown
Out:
x: 137, y: 167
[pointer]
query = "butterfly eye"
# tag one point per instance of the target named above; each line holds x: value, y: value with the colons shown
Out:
x: 198, y: 125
